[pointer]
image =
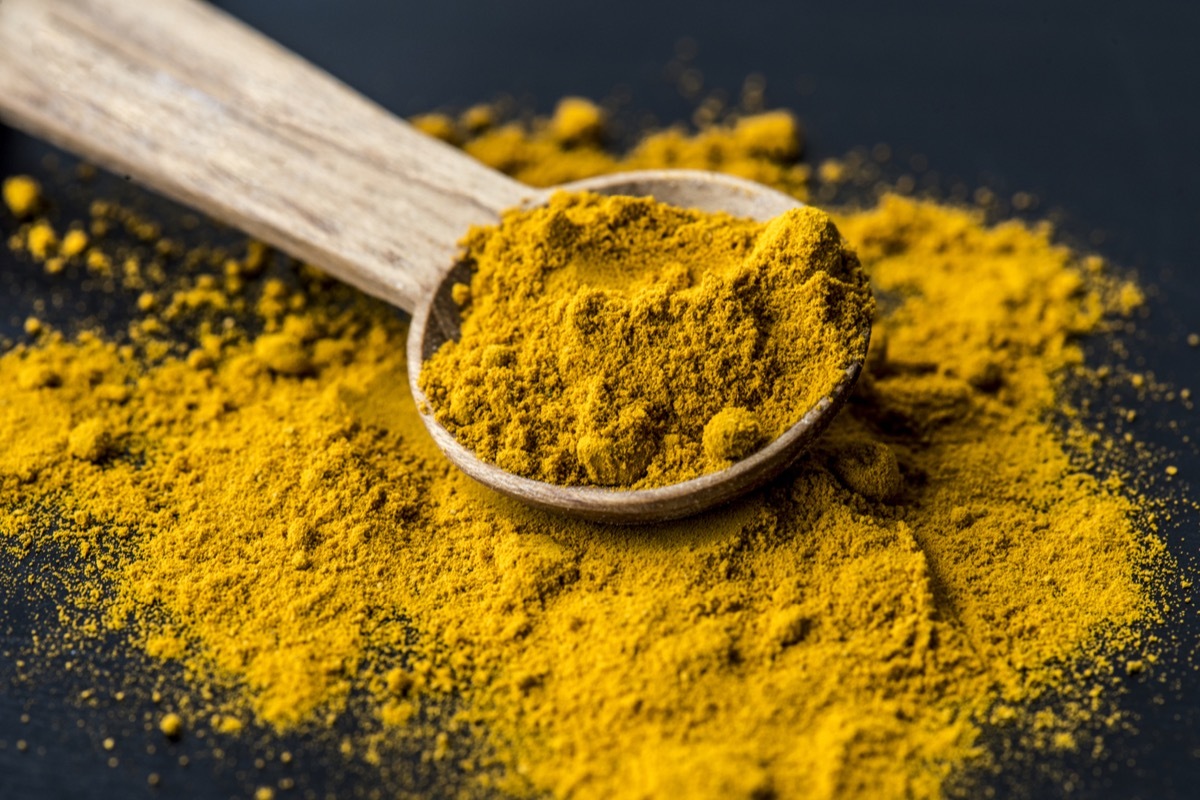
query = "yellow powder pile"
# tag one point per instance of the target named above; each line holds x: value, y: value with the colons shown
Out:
x: 281, y: 526
x: 623, y: 342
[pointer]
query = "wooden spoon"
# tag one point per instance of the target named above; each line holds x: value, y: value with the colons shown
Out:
x: 198, y: 106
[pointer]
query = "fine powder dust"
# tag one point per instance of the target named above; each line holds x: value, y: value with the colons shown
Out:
x: 242, y: 470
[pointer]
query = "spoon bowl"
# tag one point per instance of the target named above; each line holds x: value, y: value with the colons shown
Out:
x: 438, y: 319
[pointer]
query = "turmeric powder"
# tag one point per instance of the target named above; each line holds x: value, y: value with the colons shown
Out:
x: 612, y: 340
x: 270, y: 514
x: 21, y: 194
x: 571, y: 146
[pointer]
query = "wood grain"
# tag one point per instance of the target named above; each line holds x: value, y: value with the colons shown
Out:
x: 196, y: 105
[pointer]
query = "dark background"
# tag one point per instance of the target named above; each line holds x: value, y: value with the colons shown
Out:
x: 1092, y: 107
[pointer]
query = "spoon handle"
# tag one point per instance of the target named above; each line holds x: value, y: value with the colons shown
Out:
x: 198, y: 106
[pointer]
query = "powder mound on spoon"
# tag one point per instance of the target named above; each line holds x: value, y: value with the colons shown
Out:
x: 619, y: 341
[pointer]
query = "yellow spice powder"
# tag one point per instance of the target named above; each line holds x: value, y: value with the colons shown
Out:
x: 570, y: 146
x: 621, y: 342
x: 934, y: 568
x: 22, y: 194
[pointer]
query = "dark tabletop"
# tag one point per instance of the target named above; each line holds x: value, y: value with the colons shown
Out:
x: 1091, y: 107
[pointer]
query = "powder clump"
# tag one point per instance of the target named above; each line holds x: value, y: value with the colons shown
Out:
x: 732, y: 434
x: 171, y: 726
x: 22, y: 194
x: 869, y: 468
x: 90, y: 440
x: 604, y: 336
x: 576, y: 120
x: 283, y: 353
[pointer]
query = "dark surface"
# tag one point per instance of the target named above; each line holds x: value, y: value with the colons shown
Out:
x: 1089, y: 106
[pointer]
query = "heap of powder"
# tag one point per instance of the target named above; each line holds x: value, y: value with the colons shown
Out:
x: 621, y: 341
x: 939, y: 567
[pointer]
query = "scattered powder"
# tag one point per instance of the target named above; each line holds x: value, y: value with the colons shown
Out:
x: 262, y: 501
x: 570, y: 146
